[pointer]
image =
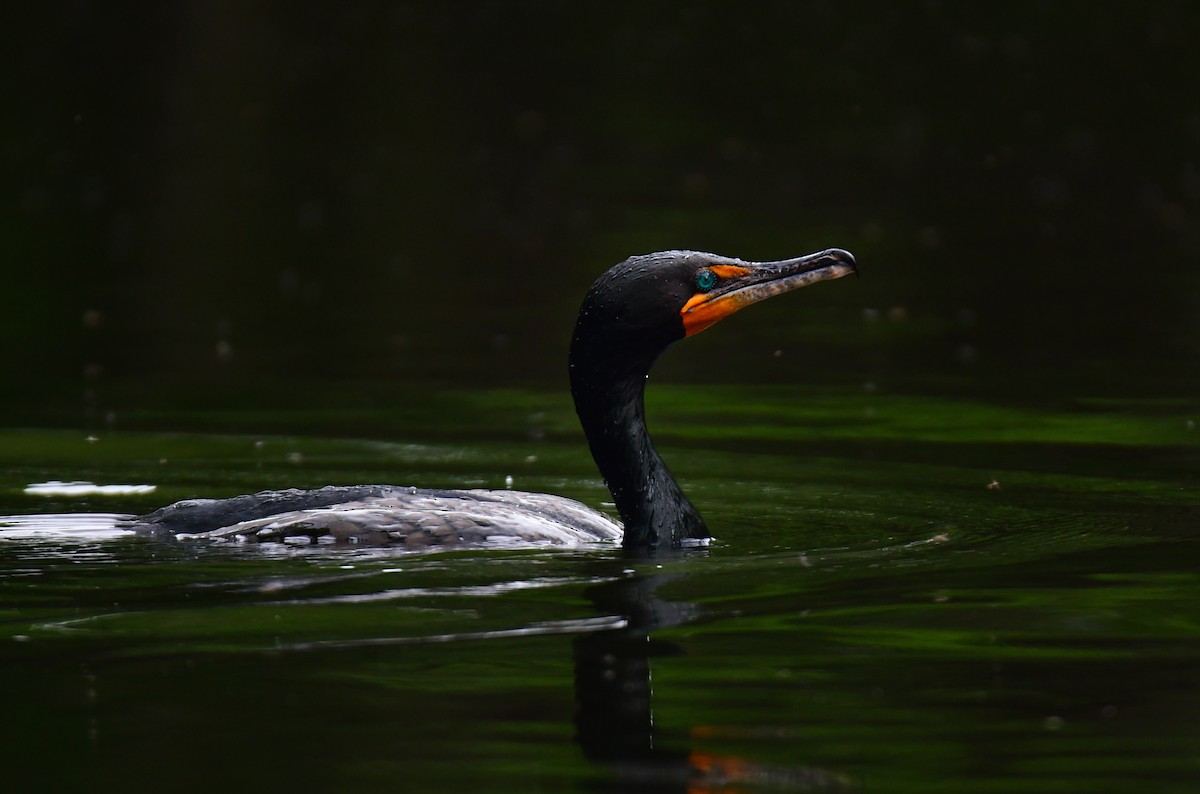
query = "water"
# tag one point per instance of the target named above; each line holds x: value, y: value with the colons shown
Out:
x: 908, y: 593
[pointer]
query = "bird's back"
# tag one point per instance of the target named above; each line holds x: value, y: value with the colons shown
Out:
x: 386, y: 515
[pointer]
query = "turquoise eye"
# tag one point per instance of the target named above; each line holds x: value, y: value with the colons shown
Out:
x: 706, y: 280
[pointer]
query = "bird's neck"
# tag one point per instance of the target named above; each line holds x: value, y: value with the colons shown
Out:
x: 653, y: 508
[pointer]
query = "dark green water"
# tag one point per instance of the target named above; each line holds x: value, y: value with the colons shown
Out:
x: 874, y: 617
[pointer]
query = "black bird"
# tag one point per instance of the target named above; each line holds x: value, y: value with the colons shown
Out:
x: 631, y: 315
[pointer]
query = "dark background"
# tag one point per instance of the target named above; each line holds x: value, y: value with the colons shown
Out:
x: 220, y: 193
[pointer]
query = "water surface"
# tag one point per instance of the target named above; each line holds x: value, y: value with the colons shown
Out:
x: 909, y: 593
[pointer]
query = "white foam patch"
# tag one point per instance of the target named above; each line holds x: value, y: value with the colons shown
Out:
x: 80, y: 488
x: 695, y: 543
x: 79, y: 526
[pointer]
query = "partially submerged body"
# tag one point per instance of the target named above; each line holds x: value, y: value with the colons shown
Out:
x: 386, y: 514
x: 632, y: 313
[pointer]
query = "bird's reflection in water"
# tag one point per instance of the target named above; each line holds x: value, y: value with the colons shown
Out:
x: 614, y: 719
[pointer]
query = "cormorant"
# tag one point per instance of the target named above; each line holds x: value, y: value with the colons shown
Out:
x: 632, y: 313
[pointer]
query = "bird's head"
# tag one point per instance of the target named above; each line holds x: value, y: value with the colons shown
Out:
x: 638, y: 308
